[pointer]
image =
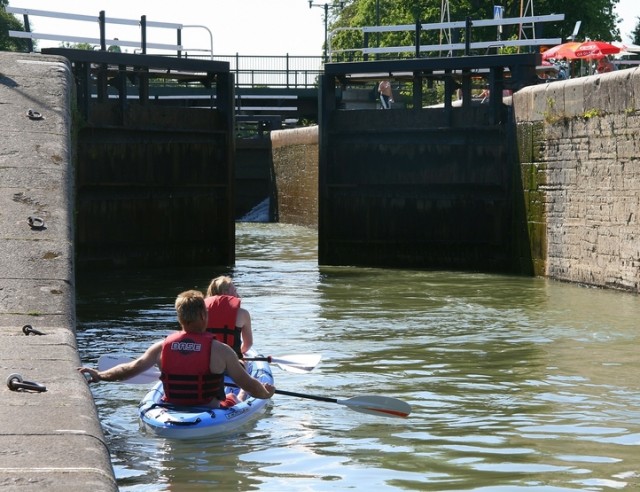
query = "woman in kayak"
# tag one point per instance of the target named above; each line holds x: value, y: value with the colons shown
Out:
x: 229, y: 323
x: 191, y: 361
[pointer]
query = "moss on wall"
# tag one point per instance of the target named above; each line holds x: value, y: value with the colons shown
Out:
x: 578, y: 151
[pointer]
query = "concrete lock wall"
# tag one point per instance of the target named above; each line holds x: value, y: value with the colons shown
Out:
x: 579, y: 146
x: 49, y: 440
x: 295, y: 158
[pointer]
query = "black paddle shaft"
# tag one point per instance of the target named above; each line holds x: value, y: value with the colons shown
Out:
x: 304, y: 395
x: 292, y: 393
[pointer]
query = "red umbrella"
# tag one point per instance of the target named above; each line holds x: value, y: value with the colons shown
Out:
x: 591, y: 50
x: 596, y: 49
x: 565, y: 50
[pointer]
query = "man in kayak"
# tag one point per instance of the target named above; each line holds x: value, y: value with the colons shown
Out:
x: 192, y: 362
x: 229, y: 323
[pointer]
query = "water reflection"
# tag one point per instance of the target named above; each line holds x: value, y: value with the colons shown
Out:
x: 516, y: 383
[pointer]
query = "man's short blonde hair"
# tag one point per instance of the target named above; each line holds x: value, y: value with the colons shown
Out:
x: 190, y: 306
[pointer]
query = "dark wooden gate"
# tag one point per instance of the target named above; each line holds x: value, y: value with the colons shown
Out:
x: 155, y: 184
x: 421, y: 187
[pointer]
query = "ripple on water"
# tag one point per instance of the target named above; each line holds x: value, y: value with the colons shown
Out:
x: 515, y: 383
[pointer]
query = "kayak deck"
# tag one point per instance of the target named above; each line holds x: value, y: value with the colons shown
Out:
x: 182, y: 422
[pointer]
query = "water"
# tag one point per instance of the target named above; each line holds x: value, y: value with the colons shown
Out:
x: 516, y: 383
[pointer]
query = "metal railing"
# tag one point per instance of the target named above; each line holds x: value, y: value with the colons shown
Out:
x: 102, y: 21
x: 362, y: 35
x: 288, y: 71
x: 285, y: 71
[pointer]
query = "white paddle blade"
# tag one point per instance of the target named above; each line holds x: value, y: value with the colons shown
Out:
x: 297, y: 363
x: 378, y: 405
x: 108, y: 361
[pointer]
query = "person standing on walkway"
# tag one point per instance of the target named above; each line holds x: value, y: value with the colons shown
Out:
x: 386, y: 94
x: 229, y: 323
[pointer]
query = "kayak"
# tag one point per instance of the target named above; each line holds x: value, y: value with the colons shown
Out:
x: 182, y: 422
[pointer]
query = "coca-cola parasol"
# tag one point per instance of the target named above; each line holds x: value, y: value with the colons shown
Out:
x: 591, y: 50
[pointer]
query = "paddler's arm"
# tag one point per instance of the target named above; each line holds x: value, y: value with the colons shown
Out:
x: 247, y: 333
x: 240, y: 376
x: 127, y: 370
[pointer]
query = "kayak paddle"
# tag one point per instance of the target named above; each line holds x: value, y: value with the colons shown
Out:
x: 298, y: 363
x: 384, y: 406
x: 372, y: 404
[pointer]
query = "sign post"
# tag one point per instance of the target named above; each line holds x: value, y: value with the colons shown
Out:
x: 498, y: 12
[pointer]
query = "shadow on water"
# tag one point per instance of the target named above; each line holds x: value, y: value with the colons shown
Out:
x: 516, y: 383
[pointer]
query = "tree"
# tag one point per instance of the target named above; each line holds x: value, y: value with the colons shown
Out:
x: 9, y: 23
x: 78, y: 46
x: 636, y: 32
x: 598, y: 19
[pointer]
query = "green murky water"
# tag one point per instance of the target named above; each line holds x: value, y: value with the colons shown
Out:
x: 516, y: 383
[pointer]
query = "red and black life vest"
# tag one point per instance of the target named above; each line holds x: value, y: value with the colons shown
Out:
x: 223, y: 313
x: 186, y: 376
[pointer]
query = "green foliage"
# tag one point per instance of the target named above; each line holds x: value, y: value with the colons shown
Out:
x: 635, y: 35
x: 599, y: 21
x: 9, y: 23
x: 592, y: 113
x: 78, y: 46
x: 433, y: 95
x: 598, y: 18
x: 509, y: 50
x: 551, y: 114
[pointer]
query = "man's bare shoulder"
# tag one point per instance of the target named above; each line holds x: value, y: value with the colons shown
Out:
x: 223, y: 358
x: 221, y: 349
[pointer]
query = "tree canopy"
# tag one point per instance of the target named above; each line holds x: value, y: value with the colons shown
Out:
x: 598, y: 19
x: 9, y: 23
x: 635, y: 35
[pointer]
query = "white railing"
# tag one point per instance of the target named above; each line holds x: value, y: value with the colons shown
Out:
x: 444, y: 26
x: 102, y: 21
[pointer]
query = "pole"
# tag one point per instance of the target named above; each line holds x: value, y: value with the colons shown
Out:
x: 326, y: 7
x: 326, y: 20
x: 28, y: 29
x: 143, y: 30
x: 103, y: 35
x: 377, y: 23
x: 467, y: 36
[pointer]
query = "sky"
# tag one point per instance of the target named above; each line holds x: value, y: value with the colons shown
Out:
x: 247, y: 27
x: 629, y: 11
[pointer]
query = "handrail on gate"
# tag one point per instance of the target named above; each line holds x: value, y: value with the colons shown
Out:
x: 102, y: 20
x: 467, y: 25
x: 200, y: 27
x: 271, y: 71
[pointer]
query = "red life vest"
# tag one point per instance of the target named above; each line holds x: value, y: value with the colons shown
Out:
x: 185, y: 375
x: 223, y: 313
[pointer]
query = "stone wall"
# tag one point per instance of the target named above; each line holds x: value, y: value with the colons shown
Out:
x: 49, y: 440
x: 295, y: 163
x: 579, y: 144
